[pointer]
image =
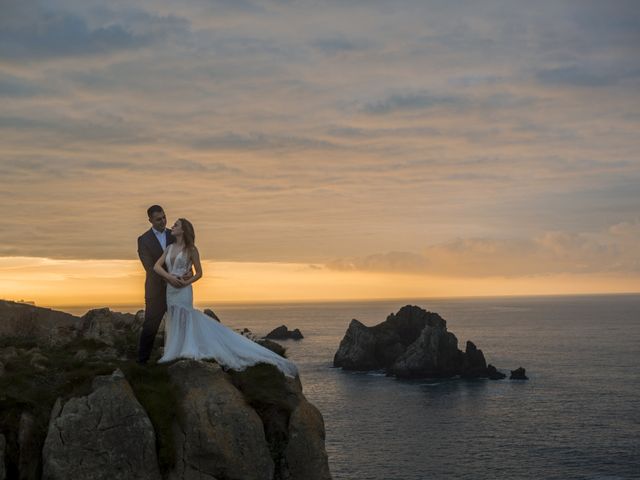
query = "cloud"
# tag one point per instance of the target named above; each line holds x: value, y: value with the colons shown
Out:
x: 341, y: 44
x: 60, y: 131
x: 35, y: 32
x: 251, y: 141
x: 399, y: 102
x: 11, y: 86
x: 405, y: 262
x: 574, y: 75
x: 556, y: 252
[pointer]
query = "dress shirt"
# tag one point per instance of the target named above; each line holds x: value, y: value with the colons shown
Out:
x: 162, y: 238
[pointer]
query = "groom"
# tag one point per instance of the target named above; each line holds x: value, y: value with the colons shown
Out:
x: 151, y: 245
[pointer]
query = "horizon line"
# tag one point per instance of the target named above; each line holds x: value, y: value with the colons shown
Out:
x: 334, y: 300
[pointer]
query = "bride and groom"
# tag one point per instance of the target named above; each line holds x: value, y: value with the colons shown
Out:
x: 168, y: 256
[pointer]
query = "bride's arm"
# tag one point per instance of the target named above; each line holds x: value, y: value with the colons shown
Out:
x: 162, y: 272
x: 195, y: 258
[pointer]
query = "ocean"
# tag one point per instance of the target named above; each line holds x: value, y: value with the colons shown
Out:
x: 577, y: 417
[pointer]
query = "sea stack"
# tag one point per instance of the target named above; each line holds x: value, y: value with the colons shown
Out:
x: 412, y: 343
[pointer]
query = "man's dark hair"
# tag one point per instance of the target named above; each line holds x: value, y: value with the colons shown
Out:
x: 153, y: 209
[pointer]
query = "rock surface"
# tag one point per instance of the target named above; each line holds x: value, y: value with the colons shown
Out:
x: 219, y: 436
x: 29, y: 461
x: 518, y: 374
x: 271, y: 345
x: 411, y: 343
x: 104, y: 325
x: 46, y: 326
x: 211, y: 313
x: 3, y: 444
x: 494, y: 374
x: 255, y: 424
x: 305, y: 454
x: 104, y: 435
x: 283, y: 333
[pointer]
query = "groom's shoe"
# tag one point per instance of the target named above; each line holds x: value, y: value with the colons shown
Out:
x: 142, y: 362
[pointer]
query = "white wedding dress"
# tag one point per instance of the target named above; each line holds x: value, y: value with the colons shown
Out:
x: 189, y: 333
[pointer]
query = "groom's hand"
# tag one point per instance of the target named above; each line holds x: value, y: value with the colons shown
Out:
x: 187, y: 275
x: 175, y: 281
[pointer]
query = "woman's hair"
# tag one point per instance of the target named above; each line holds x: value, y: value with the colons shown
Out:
x: 188, y: 235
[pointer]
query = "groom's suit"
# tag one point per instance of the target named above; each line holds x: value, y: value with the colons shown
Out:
x: 155, y: 290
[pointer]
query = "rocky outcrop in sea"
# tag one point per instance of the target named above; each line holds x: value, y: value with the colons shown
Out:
x: 283, y: 333
x: 412, y: 343
x: 80, y: 407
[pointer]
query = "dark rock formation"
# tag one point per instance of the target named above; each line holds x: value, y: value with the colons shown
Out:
x: 104, y: 435
x: 3, y: 444
x: 294, y: 429
x: 42, y: 325
x: 411, y: 343
x: 494, y: 373
x: 211, y: 313
x: 518, y: 374
x: 474, y: 364
x: 304, y: 453
x: 283, y: 333
x: 219, y: 436
x: 181, y: 421
x: 29, y: 460
x: 271, y: 345
x: 254, y: 424
x: 104, y: 325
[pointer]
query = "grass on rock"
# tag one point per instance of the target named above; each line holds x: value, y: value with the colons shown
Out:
x: 33, y: 387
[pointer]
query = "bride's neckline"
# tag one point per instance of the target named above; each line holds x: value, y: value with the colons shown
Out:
x: 174, y: 258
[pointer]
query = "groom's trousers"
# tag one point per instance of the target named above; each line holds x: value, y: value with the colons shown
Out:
x: 154, y: 310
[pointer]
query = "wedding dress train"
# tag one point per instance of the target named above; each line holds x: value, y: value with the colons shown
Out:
x: 189, y: 333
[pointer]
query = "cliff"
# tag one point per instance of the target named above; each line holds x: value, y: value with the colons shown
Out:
x: 78, y: 406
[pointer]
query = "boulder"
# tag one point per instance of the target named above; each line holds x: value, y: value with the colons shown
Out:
x: 39, y: 361
x: 271, y: 345
x: 3, y: 445
x: 293, y: 427
x: 245, y: 332
x: 305, y: 453
x: 433, y: 354
x: 81, y: 354
x: 106, y: 354
x: 8, y: 353
x: 518, y: 374
x: 411, y: 343
x: 357, y: 350
x: 211, y: 313
x: 29, y: 459
x: 104, y: 435
x: 474, y: 364
x: 104, y: 325
x: 283, y: 333
x: 218, y: 436
x: 494, y: 373
x: 42, y: 325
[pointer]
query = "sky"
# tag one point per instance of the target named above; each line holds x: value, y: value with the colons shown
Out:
x: 322, y: 150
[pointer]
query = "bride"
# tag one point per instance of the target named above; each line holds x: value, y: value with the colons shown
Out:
x: 189, y: 333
